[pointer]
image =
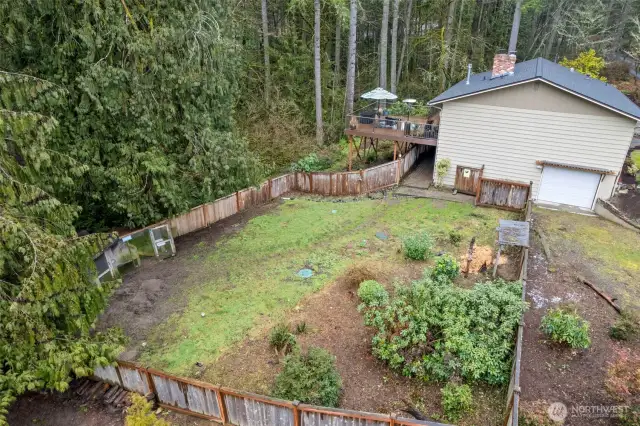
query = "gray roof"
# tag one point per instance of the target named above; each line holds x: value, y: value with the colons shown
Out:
x: 550, y: 72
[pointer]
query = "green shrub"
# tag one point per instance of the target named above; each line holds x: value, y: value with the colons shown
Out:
x: 455, y: 237
x: 446, y: 267
x: 626, y: 327
x: 311, y: 378
x: 418, y: 246
x: 140, y: 414
x: 372, y: 294
x: 631, y: 416
x: 456, y: 400
x: 310, y: 163
x: 565, y: 326
x: 446, y: 330
x: 281, y: 338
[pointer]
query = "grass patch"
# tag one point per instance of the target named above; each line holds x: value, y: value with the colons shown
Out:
x: 635, y: 158
x: 249, y: 282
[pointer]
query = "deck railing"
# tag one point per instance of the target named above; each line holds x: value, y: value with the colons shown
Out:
x: 415, y: 128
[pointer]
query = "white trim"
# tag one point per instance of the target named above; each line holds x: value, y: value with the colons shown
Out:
x: 544, y: 81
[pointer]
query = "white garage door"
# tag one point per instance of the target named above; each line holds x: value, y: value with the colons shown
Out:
x: 568, y: 186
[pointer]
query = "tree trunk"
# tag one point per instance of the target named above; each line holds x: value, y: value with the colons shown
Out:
x: 457, y: 43
x: 336, y: 57
x: 317, y: 73
x: 405, y: 40
x: 351, y: 60
x: 394, y: 46
x: 384, y: 46
x: 448, y: 34
x: 265, y: 45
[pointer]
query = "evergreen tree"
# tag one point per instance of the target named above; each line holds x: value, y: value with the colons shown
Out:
x: 49, y: 295
x: 151, y: 91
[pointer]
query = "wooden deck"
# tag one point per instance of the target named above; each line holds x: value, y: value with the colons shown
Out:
x: 369, y: 131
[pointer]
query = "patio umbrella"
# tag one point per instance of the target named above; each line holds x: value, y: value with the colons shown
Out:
x: 379, y: 94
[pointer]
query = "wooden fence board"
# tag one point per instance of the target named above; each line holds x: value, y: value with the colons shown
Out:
x: 243, y: 411
x: 282, y: 185
x: 502, y: 194
x: 203, y: 401
x: 170, y: 392
x: 134, y: 379
x: 381, y: 176
x: 107, y: 374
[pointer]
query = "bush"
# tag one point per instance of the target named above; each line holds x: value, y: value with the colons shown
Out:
x: 564, y: 326
x: 433, y: 330
x: 625, y: 328
x: 372, y: 294
x: 616, y: 71
x: 281, y: 338
x: 139, y: 413
x: 456, y: 400
x: 447, y: 268
x: 310, y: 163
x: 455, y: 237
x: 418, y: 246
x: 623, y: 376
x: 311, y: 378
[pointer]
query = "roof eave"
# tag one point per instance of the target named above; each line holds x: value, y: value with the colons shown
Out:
x: 441, y: 101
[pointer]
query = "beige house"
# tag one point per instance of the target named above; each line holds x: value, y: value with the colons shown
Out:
x: 538, y: 122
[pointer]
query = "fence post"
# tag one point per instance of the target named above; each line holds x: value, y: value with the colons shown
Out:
x: 223, y: 408
x: 296, y: 413
x: 392, y: 419
x: 361, y: 181
x: 311, y: 182
x: 152, y: 385
x: 269, y: 189
x: 238, y: 201
x: 204, y: 214
x: 479, y: 191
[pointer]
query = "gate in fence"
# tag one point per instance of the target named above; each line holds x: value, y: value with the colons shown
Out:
x: 503, y: 194
x: 468, y: 179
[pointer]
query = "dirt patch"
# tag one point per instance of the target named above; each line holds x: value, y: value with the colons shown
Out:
x: 158, y: 288
x: 69, y: 409
x: 551, y: 373
x: 629, y: 204
x: 335, y: 324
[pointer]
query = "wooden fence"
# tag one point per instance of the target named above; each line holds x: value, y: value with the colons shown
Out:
x: 322, y: 183
x: 513, y: 393
x: 232, y: 407
x: 503, y: 194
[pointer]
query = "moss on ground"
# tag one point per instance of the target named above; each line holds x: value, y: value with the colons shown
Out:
x: 249, y: 281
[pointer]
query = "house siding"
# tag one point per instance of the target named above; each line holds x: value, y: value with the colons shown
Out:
x: 509, y: 132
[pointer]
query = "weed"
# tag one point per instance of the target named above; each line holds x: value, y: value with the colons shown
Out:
x: 302, y: 327
x: 623, y: 375
x: 311, y: 378
x: 418, y: 246
x: 631, y: 416
x: 281, y: 339
x: 565, y: 326
x: 456, y: 400
x: 455, y: 237
x: 626, y: 327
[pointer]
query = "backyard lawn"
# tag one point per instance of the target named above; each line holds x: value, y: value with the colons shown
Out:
x: 207, y: 313
x: 249, y: 282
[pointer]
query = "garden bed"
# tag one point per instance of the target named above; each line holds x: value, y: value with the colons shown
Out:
x: 607, y: 255
x: 225, y: 294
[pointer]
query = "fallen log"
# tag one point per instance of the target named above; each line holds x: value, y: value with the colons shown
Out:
x: 600, y: 293
x: 411, y: 409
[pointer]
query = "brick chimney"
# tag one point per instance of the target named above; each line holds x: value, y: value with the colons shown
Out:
x: 503, y: 64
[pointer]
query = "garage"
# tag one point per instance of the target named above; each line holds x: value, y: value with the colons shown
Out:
x: 569, y: 186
